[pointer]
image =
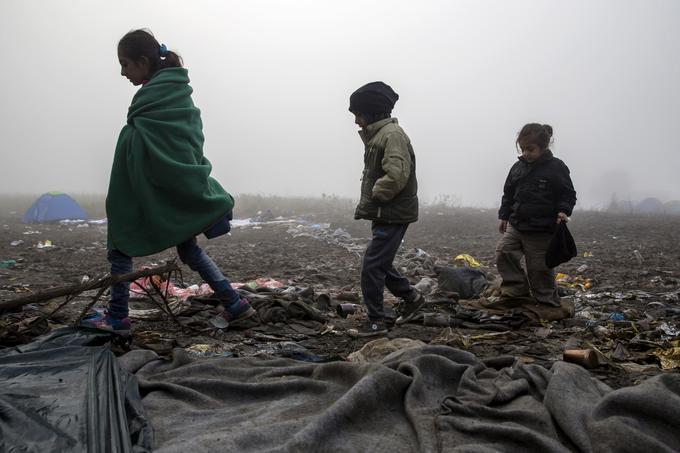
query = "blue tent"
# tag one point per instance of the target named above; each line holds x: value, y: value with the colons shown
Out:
x: 54, y: 206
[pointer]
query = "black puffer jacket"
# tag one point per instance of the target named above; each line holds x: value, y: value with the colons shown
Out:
x: 535, y: 192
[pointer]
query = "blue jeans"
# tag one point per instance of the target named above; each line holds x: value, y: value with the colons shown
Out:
x: 190, y: 254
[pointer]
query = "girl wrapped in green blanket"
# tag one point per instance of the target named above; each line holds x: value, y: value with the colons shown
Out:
x: 160, y: 192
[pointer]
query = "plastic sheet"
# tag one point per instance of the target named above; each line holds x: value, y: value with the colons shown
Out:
x: 64, y: 392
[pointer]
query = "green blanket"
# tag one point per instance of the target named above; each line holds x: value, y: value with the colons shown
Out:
x: 160, y: 192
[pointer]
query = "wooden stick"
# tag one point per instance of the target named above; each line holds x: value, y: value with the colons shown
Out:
x: 164, y: 297
x: 67, y: 299
x: 89, y: 305
x: 74, y: 290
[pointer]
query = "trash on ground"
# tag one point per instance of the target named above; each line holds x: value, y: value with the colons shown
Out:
x: 208, y: 350
x: 669, y: 357
x: 467, y: 282
x: 426, y: 285
x: 292, y: 350
x: 616, y: 316
x: 260, y: 283
x: 344, y: 310
x: 579, y: 282
x: 587, y: 358
x: 7, y: 264
x: 454, y: 338
x: 468, y: 260
x: 376, y: 350
x: 44, y: 244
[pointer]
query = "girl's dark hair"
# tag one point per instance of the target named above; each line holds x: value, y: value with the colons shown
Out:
x: 536, y: 134
x: 138, y: 44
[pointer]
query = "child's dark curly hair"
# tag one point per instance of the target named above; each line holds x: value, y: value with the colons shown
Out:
x: 535, y: 134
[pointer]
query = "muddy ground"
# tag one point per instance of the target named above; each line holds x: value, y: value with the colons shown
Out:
x: 300, y: 251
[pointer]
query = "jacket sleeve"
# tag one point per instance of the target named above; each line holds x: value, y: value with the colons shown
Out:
x: 507, y: 198
x: 567, y: 198
x: 396, y: 164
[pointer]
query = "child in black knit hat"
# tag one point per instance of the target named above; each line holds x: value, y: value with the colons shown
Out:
x: 389, y: 198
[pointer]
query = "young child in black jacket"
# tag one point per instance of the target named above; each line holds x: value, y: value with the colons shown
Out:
x: 537, y: 196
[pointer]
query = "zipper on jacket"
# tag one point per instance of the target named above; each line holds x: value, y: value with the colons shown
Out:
x: 379, y: 211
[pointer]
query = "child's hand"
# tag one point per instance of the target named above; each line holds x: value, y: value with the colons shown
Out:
x: 562, y: 217
x: 502, y: 226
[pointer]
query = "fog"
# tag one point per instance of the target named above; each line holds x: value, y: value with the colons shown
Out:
x: 273, y: 79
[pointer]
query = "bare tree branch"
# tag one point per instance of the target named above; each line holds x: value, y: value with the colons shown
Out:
x: 74, y: 290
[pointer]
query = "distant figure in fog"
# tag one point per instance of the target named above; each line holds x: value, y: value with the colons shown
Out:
x: 538, y: 194
x: 389, y: 198
x: 160, y: 192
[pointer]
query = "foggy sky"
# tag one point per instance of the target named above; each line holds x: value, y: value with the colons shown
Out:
x: 273, y: 78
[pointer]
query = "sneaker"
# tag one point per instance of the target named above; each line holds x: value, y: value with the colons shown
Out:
x: 231, y: 316
x: 408, y: 310
x: 369, y: 329
x: 104, y: 321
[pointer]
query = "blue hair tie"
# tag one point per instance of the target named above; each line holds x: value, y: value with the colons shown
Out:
x: 163, y: 50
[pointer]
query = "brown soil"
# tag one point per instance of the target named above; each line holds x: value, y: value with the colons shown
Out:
x: 642, y: 290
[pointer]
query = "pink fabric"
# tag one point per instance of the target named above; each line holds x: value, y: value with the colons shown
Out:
x: 137, y: 288
x: 260, y: 283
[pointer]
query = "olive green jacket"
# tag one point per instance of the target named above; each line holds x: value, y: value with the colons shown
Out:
x: 389, y: 189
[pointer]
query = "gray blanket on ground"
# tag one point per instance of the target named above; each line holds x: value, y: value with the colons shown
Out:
x: 428, y: 399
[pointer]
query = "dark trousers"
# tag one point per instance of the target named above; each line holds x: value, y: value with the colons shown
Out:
x: 190, y: 254
x: 378, y: 272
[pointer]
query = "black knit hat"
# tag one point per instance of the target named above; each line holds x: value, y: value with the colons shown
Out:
x: 372, y: 98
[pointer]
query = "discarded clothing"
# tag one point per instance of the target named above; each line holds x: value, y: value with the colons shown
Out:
x: 468, y: 283
x: 469, y: 260
x: 140, y: 288
x: 527, y: 307
x: 273, y: 310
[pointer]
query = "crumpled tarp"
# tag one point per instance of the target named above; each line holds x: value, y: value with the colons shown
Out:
x: 63, y: 392
x: 428, y: 399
